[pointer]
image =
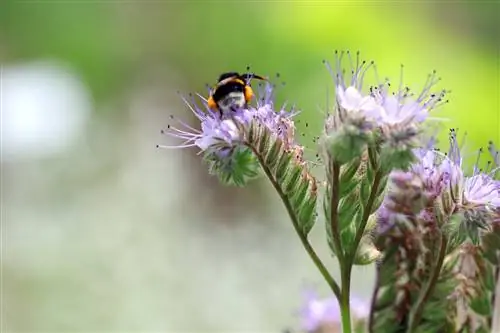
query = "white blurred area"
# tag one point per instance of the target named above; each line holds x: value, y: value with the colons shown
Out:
x: 44, y: 108
x: 106, y: 233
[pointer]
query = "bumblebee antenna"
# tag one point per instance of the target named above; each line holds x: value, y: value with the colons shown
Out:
x: 250, y: 76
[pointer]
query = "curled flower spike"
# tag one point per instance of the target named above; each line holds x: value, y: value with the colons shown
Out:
x: 238, y: 144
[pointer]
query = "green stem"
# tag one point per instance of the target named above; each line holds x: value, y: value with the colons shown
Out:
x: 416, y: 312
x: 366, y: 215
x: 345, y: 307
x: 348, y: 260
x: 303, y: 238
x: 334, y: 216
x: 345, y: 267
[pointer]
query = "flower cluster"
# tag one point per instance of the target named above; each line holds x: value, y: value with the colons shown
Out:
x: 389, y: 197
x: 395, y: 117
x: 221, y: 133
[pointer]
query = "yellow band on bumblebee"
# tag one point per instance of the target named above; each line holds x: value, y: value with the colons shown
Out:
x: 248, y: 93
x: 211, y: 103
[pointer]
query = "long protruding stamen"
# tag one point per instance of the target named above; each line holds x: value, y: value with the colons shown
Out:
x: 375, y: 71
x: 330, y: 70
x: 476, y: 169
x: 362, y: 71
x: 430, y: 82
x: 454, y: 150
x: 400, y: 89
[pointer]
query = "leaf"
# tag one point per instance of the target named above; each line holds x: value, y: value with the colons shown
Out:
x: 238, y: 170
x: 481, y: 305
x: 366, y: 253
x: 490, y: 244
x: 272, y: 157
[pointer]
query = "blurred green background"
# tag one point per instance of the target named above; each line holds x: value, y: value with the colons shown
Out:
x: 102, y: 232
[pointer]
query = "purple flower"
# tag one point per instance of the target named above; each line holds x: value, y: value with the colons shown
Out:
x: 218, y: 133
x: 379, y: 105
x: 317, y: 313
x: 481, y: 189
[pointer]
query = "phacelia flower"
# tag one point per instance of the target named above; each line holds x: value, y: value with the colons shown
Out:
x: 220, y: 134
x: 480, y: 188
x: 319, y: 313
x: 397, y: 116
x: 400, y: 108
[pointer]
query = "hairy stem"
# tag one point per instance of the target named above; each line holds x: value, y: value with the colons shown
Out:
x: 303, y: 238
x: 334, y: 216
x: 416, y: 312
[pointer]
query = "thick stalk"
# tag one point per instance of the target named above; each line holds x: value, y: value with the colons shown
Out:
x: 416, y: 312
x: 303, y: 238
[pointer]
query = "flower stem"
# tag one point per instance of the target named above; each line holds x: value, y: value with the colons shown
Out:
x: 347, y: 261
x: 345, y: 265
x: 345, y: 308
x: 366, y: 215
x: 334, y: 204
x: 303, y: 238
x: 416, y: 312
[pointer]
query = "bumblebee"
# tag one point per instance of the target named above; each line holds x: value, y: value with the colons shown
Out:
x: 232, y: 92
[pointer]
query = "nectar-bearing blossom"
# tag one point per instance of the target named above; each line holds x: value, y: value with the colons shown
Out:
x: 397, y: 117
x: 219, y: 133
x: 480, y: 188
x: 238, y: 144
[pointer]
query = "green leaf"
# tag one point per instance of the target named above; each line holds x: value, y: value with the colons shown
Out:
x: 348, y: 170
x: 366, y: 252
x: 307, y: 216
x: 272, y: 157
x: 237, y: 170
x: 283, y: 166
x: 481, y: 305
x: 347, y: 235
x: 385, y: 298
x: 490, y: 244
x: 299, y: 196
x: 292, y: 179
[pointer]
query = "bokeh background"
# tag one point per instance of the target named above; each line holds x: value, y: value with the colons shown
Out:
x: 103, y: 232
